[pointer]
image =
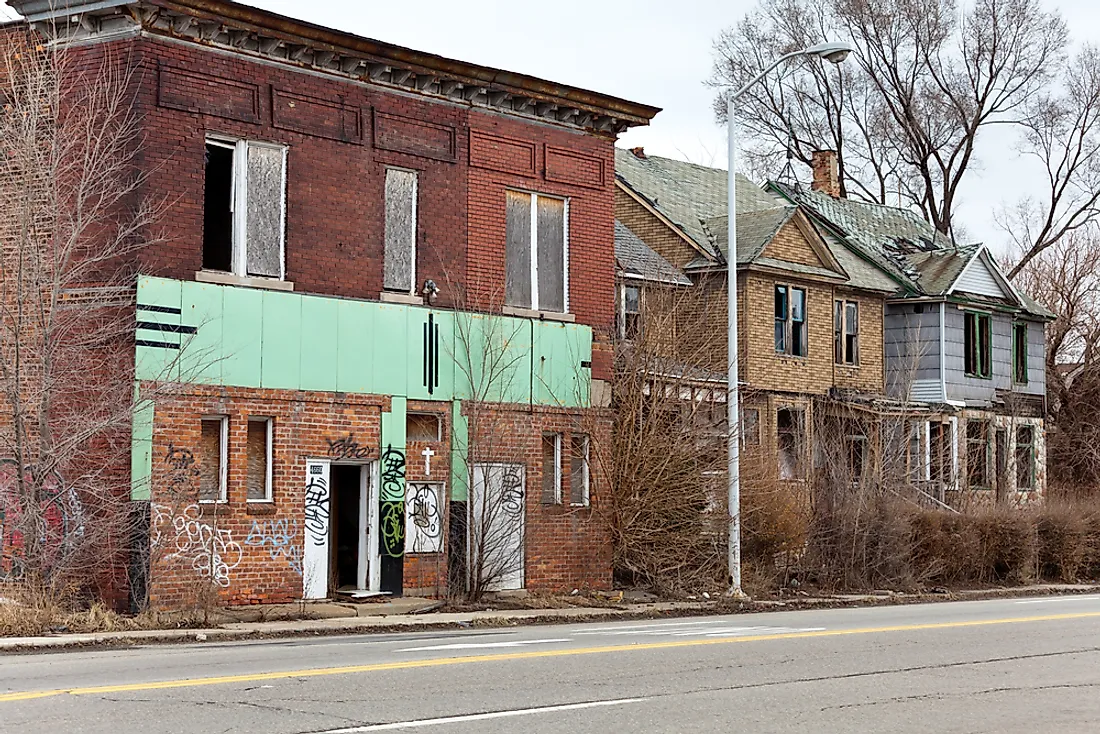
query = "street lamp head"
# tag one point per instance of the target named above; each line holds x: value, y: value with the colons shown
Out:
x: 832, y: 51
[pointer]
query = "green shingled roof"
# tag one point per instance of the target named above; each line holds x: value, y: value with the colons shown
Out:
x: 687, y: 194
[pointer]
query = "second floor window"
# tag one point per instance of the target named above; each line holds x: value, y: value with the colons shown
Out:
x: 244, y: 208
x: 978, y: 344
x: 630, y: 312
x: 536, y: 252
x: 846, y: 332
x: 790, y: 321
x: 1019, y: 352
x: 399, y: 266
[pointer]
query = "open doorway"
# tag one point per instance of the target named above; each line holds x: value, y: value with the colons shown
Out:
x: 353, y: 562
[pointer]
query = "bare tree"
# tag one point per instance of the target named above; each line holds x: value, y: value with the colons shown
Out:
x: 907, y: 114
x: 72, y: 218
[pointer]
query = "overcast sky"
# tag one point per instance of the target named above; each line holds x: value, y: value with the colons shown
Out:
x: 654, y: 51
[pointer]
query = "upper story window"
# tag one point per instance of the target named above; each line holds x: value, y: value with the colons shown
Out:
x: 536, y: 252
x: 244, y: 208
x: 399, y: 266
x: 630, y: 312
x: 790, y: 321
x: 978, y: 344
x: 846, y: 332
x: 1019, y: 352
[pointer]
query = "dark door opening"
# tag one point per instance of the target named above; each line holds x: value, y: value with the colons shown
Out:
x: 348, y: 538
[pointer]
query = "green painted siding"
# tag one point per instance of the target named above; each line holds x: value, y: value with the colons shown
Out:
x: 141, y: 453
x: 241, y: 337
x: 460, y: 442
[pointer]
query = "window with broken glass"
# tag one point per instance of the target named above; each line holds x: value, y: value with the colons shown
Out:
x: 630, y: 312
x: 846, y: 332
x: 244, y: 208
x: 978, y: 344
x: 399, y: 260
x: 536, y: 252
x: 790, y: 321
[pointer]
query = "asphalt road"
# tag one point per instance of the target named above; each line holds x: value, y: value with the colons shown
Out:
x: 1029, y: 665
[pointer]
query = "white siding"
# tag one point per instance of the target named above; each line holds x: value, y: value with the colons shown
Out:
x: 978, y: 279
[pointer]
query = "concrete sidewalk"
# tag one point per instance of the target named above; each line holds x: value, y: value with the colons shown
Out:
x: 411, y: 614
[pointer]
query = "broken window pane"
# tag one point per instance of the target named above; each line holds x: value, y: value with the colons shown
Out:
x: 578, y: 470
x: 211, y: 486
x: 798, y: 322
x: 789, y: 430
x: 264, y: 223
x: 551, y: 255
x: 851, y: 333
x: 259, y: 488
x: 422, y: 427
x: 217, y: 230
x: 400, y: 249
x: 517, y: 253
x: 781, y: 319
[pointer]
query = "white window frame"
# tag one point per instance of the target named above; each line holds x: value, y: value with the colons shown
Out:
x: 415, y: 224
x: 223, y: 459
x: 587, y: 472
x: 533, y: 250
x: 622, y: 306
x: 269, y: 494
x: 238, y: 204
x: 557, y: 436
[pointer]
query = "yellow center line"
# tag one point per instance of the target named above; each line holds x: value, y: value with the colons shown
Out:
x: 527, y: 655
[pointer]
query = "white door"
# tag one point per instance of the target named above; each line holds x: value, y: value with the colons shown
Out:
x: 317, y: 510
x: 497, y: 507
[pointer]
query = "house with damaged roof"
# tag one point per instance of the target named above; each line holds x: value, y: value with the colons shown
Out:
x: 861, y: 326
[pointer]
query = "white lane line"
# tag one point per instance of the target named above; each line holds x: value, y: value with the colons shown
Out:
x: 481, y: 717
x: 710, y: 631
x: 1060, y: 599
x: 480, y: 645
x: 639, y: 628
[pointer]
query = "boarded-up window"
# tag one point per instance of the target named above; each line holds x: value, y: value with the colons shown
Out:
x: 422, y: 427
x: 578, y: 470
x: 244, y: 208
x: 535, y: 251
x: 259, y: 459
x: 212, y: 466
x: 551, y: 468
x: 264, y: 226
x: 399, y: 267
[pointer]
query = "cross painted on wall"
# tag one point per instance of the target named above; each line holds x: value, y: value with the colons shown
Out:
x: 427, y: 453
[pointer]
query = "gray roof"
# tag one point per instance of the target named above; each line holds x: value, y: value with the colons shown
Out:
x: 922, y: 260
x: 687, y: 194
x: 637, y: 258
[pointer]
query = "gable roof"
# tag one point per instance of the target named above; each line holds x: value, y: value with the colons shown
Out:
x: 922, y: 260
x: 636, y: 258
x: 686, y: 194
x: 756, y: 230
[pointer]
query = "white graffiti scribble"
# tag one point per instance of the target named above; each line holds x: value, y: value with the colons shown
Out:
x: 211, y: 551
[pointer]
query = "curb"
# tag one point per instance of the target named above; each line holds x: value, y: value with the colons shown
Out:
x: 245, y: 631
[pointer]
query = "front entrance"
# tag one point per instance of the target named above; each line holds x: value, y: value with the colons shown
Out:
x: 496, y: 534
x: 341, y: 520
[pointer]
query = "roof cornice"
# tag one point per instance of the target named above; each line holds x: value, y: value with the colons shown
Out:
x: 270, y: 36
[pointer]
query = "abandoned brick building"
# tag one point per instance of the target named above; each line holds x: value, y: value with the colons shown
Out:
x: 861, y: 326
x: 374, y: 349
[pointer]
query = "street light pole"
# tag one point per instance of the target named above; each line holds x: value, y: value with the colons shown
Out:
x: 834, y: 53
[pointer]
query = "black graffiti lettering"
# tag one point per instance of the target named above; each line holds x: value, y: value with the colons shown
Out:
x: 347, y: 448
x: 511, y: 493
x: 317, y: 510
x: 425, y: 514
x: 393, y: 529
x: 393, y: 472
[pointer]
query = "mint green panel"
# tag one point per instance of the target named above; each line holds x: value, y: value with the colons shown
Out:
x: 201, y: 358
x: 430, y: 348
x: 319, y: 343
x: 157, y: 352
x: 391, y: 376
x: 493, y: 358
x: 460, y: 447
x: 242, y: 332
x: 141, y: 450
x: 560, y: 375
x: 355, y: 367
x: 281, y: 363
x: 392, y: 469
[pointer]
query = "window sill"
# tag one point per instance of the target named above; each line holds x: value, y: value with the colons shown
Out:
x: 221, y: 278
x: 260, y: 507
x: 529, y: 313
x: 408, y: 299
x: 214, y: 507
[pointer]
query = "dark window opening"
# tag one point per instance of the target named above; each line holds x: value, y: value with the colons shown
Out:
x: 422, y: 427
x: 1019, y: 352
x: 846, y: 332
x: 977, y: 454
x: 978, y: 345
x: 939, y: 453
x: 790, y: 438
x: 217, y: 231
x: 790, y: 321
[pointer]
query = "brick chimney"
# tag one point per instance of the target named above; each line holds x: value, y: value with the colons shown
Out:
x: 638, y: 152
x: 826, y: 173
